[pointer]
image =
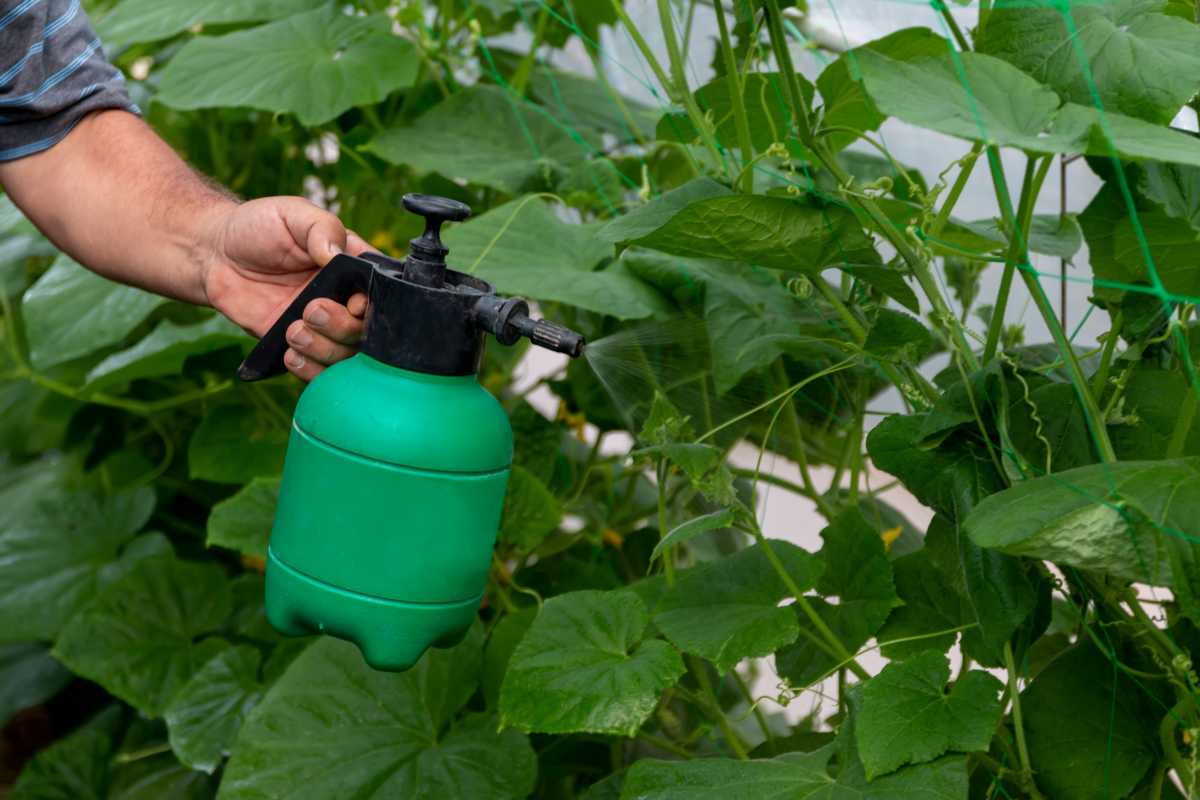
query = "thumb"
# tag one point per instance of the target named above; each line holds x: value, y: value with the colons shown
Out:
x: 320, y: 233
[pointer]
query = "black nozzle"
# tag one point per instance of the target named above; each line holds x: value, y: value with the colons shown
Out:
x: 509, y: 320
x: 426, y: 262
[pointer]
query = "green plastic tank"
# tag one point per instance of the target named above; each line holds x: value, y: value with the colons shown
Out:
x: 398, y: 459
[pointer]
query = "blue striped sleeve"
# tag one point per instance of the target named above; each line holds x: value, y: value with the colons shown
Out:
x: 52, y: 74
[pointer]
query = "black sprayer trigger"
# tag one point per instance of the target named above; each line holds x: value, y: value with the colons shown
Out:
x: 339, y: 280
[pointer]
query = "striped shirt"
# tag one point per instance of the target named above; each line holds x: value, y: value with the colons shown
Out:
x: 52, y: 74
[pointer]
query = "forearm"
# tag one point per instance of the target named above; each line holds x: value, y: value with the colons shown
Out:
x: 115, y: 197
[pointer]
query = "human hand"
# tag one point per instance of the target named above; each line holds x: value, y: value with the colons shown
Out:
x: 263, y: 253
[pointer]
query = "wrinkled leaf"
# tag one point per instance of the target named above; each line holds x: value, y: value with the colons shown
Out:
x: 487, y: 137
x: 523, y: 248
x: 389, y: 734
x: 204, y: 717
x: 314, y: 65
x: 142, y: 637
x: 243, y: 522
x: 909, y: 716
x: 71, y: 312
x: 728, y: 609
x: 583, y: 666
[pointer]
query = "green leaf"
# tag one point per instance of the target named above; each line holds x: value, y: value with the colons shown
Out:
x: 928, y: 609
x: 135, y: 21
x: 205, y: 715
x: 57, y: 551
x: 334, y: 727
x: 243, y: 522
x: 501, y: 643
x: 1048, y: 233
x: 164, y: 351
x: 75, y: 767
x: 644, y: 220
x: 524, y: 248
x: 997, y: 592
x: 968, y: 95
x: 584, y: 667
x: 1088, y: 726
x: 29, y: 675
x: 1122, y: 54
x: 159, y: 776
x: 792, y: 776
x: 586, y: 103
x: 141, y: 638
x: 1124, y: 518
x: 1149, y: 413
x: 531, y: 511
x: 535, y: 441
x: 1048, y: 427
x: 858, y: 574
x: 314, y: 65
x: 235, y: 444
x: 728, y: 609
x: 692, y: 528
x: 488, y: 137
x: 847, y: 104
x: 909, y: 716
x: 703, y: 464
x: 764, y: 99
x: 950, y: 478
x: 894, y: 334
x: 665, y: 425
x: 773, y: 232
x: 1174, y: 187
x: 888, y: 280
x: 71, y: 312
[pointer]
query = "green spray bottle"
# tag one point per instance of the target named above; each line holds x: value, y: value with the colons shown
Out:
x: 398, y: 459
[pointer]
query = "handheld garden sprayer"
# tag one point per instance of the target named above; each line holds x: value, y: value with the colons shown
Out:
x: 398, y: 459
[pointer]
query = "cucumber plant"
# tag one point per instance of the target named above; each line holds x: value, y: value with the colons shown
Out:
x: 752, y: 265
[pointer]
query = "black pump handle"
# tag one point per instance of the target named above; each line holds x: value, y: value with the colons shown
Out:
x: 339, y: 280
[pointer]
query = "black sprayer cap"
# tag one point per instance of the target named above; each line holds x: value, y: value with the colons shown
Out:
x: 421, y: 315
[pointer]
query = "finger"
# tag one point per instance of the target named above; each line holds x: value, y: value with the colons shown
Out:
x: 320, y: 233
x: 334, y: 321
x: 315, y: 346
x: 356, y: 245
x: 357, y: 305
x: 301, y: 367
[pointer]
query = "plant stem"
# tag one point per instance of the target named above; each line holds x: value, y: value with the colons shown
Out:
x: 520, y: 77
x: 1018, y: 725
x: 783, y: 58
x: 668, y: 556
x: 1183, y: 425
x: 759, y: 716
x: 663, y: 744
x: 1100, y: 379
x: 735, y: 742
x: 678, y: 87
x: 955, y: 31
x: 830, y: 637
x: 792, y: 420
x: 956, y: 190
x: 733, y: 80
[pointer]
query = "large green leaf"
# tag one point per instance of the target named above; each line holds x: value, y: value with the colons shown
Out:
x: 996, y: 592
x: 728, y: 609
x: 235, y: 444
x: 950, y: 478
x: 56, y: 550
x: 314, y: 65
x: 792, y: 776
x: 243, y: 522
x: 71, y: 312
x: 76, y: 767
x: 334, y: 727
x: 28, y: 675
x: 969, y: 95
x: 134, y: 21
x: 531, y: 511
x: 1131, y: 519
x: 584, y: 666
x: 1174, y: 187
x: 858, y: 574
x: 164, y: 351
x: 774, y: 232
x: 928, y: 609
x: 586, y: 103
x: 847, y: 104
x: 205, y: 715
x: 1150, y: 413
x: 524, y: 248
x: 909, y: 716
x: 142, y: 637
x: 488, y: 137
x: 1124, y: 54
x: 645, y: 219
x: 1089, y: 728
